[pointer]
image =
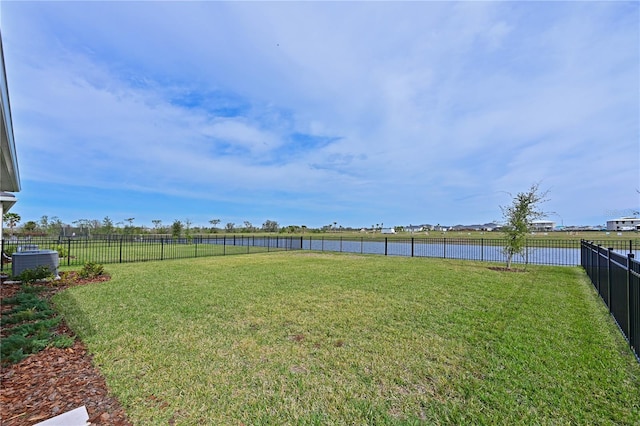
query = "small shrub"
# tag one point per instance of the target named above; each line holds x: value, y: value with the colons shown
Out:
x: 29, y: 276
x: 26, y: 315
x: 66, y: 278
x: 27, y: 306
x: 91, y: 270
x: 62, y: 341
x: 16, y: 347
x: 29, y: 325
x: 62, y: 250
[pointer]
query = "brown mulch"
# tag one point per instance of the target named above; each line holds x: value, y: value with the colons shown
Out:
x: 55, y: 380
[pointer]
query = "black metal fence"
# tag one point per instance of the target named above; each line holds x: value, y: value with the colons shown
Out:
x: 123, y: 249
x: 561, y: 252
x: 616, y: 277
x: 128, y: 248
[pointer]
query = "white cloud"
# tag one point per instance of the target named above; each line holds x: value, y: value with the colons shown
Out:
x: 441, y: 99
x: 243, y: 134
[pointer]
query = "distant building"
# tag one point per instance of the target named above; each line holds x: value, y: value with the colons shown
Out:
x: 388, y: 231
x: 414, y: 228
x: 542, y: 225
x: 624, y: 224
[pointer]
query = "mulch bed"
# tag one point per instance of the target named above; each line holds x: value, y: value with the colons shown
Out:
x: 55, y: 380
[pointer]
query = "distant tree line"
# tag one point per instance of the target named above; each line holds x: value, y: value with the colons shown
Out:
x: 54, y: 227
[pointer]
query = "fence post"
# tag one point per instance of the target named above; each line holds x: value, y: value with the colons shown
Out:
x: 630, y: 324
x: 386, y: 240
x: 411, y: 246
x: 68, y: 251
x: 121, y: 238
x: 444, y: 252
x: 610, y: 301
x: 340, y: 244
x: 598, y: 269
x: 161, y: 248
x: 224, y: 245
x: 482, y: 249
x: 2, y: 255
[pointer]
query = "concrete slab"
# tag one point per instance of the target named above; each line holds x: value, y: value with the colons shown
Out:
x: 77, y: 417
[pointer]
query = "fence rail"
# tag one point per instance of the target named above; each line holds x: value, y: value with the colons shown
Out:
x: 128, y: 248
x: 124, y: 249
x: 616, y: 278
x: 559, y: 252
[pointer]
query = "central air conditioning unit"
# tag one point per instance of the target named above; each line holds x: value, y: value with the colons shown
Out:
x: 32, y: 258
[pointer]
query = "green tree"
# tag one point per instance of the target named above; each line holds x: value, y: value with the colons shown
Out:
x: 44, y: 223
x: 229, y: 227
x: 214, y: 224
x: 292, y: 229
x: 270, y: 226
x: 187, y: 230
x: 176, y: 229
x: 29, y: 226
x: 524, y: 209
x: 107, y: 225
x: 11, y: 220
x: 157, y: 224
x: 55, y: 225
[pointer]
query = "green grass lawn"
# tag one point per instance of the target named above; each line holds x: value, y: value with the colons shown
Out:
x: 308, y: 338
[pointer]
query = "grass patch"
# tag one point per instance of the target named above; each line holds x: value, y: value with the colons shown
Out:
x: 307, y: 338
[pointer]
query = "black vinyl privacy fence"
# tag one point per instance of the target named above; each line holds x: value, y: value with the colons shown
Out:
x: 616, y: 278
x: 129, y: 248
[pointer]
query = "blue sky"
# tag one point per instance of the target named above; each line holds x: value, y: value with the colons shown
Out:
x: 309, y: 113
